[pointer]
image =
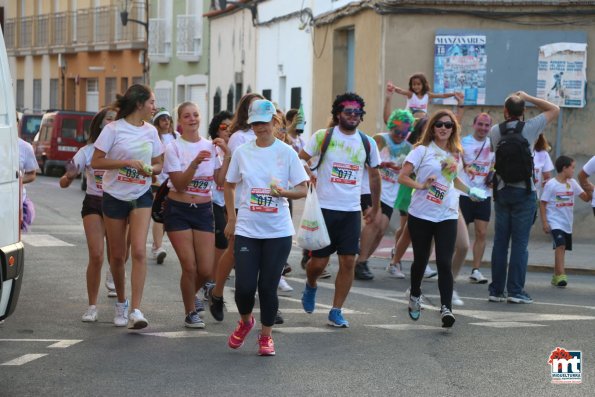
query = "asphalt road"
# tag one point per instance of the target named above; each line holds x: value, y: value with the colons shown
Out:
x: 494, y: 349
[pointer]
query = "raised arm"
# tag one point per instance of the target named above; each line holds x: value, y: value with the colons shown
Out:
x: 549, y: 110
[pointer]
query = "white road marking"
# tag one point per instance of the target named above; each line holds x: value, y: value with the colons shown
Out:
x: 508, y: 324
x: 24, y: 359
x: 301, y: 330
x: 44, y: 240
x: 404, y: 327
x: 198, y: 333
x: 59, y: 343
x: 519, y: 316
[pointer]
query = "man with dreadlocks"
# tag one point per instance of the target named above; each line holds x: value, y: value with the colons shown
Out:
x: 345, y: 153
x: 393, y: 149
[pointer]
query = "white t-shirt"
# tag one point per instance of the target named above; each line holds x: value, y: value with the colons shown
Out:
x: 82, y: 160
x: 120, y: 140
x: 416, y: 104
x: 541, y: 163
x: 341, y: 173
x: 261, y: 215
x: 236, y: 140
x: 589, y: 169
x: 441, y: 201
x: 166, y: 139
x: 481, y: 163
x: 560, y: 203
x: 178, y: 156
x: 27, y: 161
x: 217, y: 191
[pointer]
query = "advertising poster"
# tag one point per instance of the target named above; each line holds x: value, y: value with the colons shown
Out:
x: 562, y: 74
x: 460, y: 65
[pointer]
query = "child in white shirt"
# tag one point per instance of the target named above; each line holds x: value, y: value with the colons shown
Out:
x: 556, y: 209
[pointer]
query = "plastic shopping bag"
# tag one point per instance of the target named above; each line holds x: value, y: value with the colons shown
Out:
x: 312, y: 233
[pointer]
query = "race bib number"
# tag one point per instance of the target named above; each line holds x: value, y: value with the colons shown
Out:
x: 130, y: 175
x: 98, y: 178
x: 262, y: 201
x: 389, y: 175
x: 564, y: 199
x: 436, y: 193
x: 344, y: 173
x: 200, y: 185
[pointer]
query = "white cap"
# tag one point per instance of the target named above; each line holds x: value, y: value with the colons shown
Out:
x: 261, y: 111
x: 159, y: 114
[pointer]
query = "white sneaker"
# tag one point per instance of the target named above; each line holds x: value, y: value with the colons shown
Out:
x: 284, y: 286
x: 422, y: 298
x: 136, y: 320
x: 477, y: 278
x: 394, y: 270
x: 109, y: 281
x: 159, y: 254
x: 90, y: 315
x: 121, y: 317
x: 429, y: 273
x: 456, y: 299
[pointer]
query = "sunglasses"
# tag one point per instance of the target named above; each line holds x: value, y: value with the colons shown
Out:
x: 446, y: 124
x: 353, y: 112
x: 223, y: 126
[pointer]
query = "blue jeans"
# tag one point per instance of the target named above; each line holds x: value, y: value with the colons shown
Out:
x: 514, y: 209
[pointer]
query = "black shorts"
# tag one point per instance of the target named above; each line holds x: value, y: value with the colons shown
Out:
x: 120, y: 209
x: 180, y: 216
x: 344, y: 228
x: 92, y: 206
x: 475, y: 210
x: 220, y: 223
x: 561, y: 238
x: 366, y: 202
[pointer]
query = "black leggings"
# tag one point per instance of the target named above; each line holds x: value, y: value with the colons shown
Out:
x: 258, y: 264
x: 444, y: 234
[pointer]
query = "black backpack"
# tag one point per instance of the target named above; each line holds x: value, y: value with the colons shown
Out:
x: 514, y: 160
x: 158, y: 207
x: 327, y: 141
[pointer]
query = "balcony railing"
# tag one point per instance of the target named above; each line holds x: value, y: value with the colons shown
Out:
x: 189, y: 37
x: 159, y: 40
x: 66, y: 32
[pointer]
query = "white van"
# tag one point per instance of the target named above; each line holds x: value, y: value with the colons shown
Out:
x: 11, y: 247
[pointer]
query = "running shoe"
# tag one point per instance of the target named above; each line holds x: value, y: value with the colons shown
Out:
x: 199, y: 306
x: 325, y: 274
x: 422, y: 299
x: 193, y: 320
x: 278, y: 318
x: 335, y: 319
x: 286, y: 269
x: 209, y: 285
x: 523, y: 297
x: 309, y: 298
x: 497, y: 298
x: 429, y: 273
x: 456, y: 299
x: 362, y: 272
x: 90, y: 315
x: 136, y: 320
x: 394, y: 270
x: 109, y: 281
x: 266, y: 346
x: 477, y: 278
x: 284, y: 286
x: 159, y: 255
x: 121, y: 315
x: 216, y: 305
x: 448, y: 319
x: 236, y: 339
x: 414, y: 307
x: 560, y: 281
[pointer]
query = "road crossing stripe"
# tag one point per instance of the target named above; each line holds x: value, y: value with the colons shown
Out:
x: 60, y: 343
x: 495, y: 316
x: 301, y: 330
x: 24, y: 359
x: 198, y: 333
x: 404, y: 327
x: 44, y: 240
x: 508, y: 324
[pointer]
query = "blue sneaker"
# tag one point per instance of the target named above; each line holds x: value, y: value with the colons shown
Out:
x: 199, y: 306
x: 523, y: 297
x: 309, y: 298
x: 335, y: 319
x: 414, y: 307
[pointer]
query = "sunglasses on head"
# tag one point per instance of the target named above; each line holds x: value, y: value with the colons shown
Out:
x: 446, y: 124
x: 353, y: 112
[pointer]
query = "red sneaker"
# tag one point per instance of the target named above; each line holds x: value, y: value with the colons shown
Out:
x: 266, y: 346
x: 236, y: 339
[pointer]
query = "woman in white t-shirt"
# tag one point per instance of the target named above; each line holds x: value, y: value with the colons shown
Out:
x: 130, y: 151
x: 263, y: 170
x: 193, y: 168
x: 91, y: 213
x: 583, y: 178
x: 434, y: 209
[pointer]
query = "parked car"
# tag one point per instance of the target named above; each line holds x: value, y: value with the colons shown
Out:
x: 29, y: 126
x: 12, y: 255
x: 60, y: 136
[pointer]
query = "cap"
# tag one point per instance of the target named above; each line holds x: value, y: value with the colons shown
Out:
x: 261, y: 111
x: 161, y: 112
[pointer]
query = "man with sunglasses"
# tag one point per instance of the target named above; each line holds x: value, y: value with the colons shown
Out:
x: 515, y: 205
x: 338, y: 185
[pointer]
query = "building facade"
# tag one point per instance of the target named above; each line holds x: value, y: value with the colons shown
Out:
x: 73, y: 54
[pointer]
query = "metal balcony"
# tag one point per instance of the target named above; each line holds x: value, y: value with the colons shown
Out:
x: 189, y: 38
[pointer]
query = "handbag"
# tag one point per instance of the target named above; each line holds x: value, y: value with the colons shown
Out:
x: 312, y: 234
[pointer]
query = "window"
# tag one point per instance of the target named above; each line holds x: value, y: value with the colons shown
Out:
x: 344, y: 60
x: 123, y: 84
x: 138, y: 80
x: 230, y: 106
x: 54, y: 93
x: 92, y: 95
x: 20, y: 94
x: 37, y: 94
x: 181, y: 93
x: 296, y: 97
x: 163, y: 97
x: 68, y: 129
x: 110, y: 90
x: 217, y: 101
x: 267, y: 94
x: 239, y: 87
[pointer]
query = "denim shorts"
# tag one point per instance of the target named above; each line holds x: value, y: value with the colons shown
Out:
x: 561, y: 238
x: 120, y: 209
x: 180, y: 216
x: 92, y: 206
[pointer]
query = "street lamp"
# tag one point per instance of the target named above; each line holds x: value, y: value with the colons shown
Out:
x: 125, y: 7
